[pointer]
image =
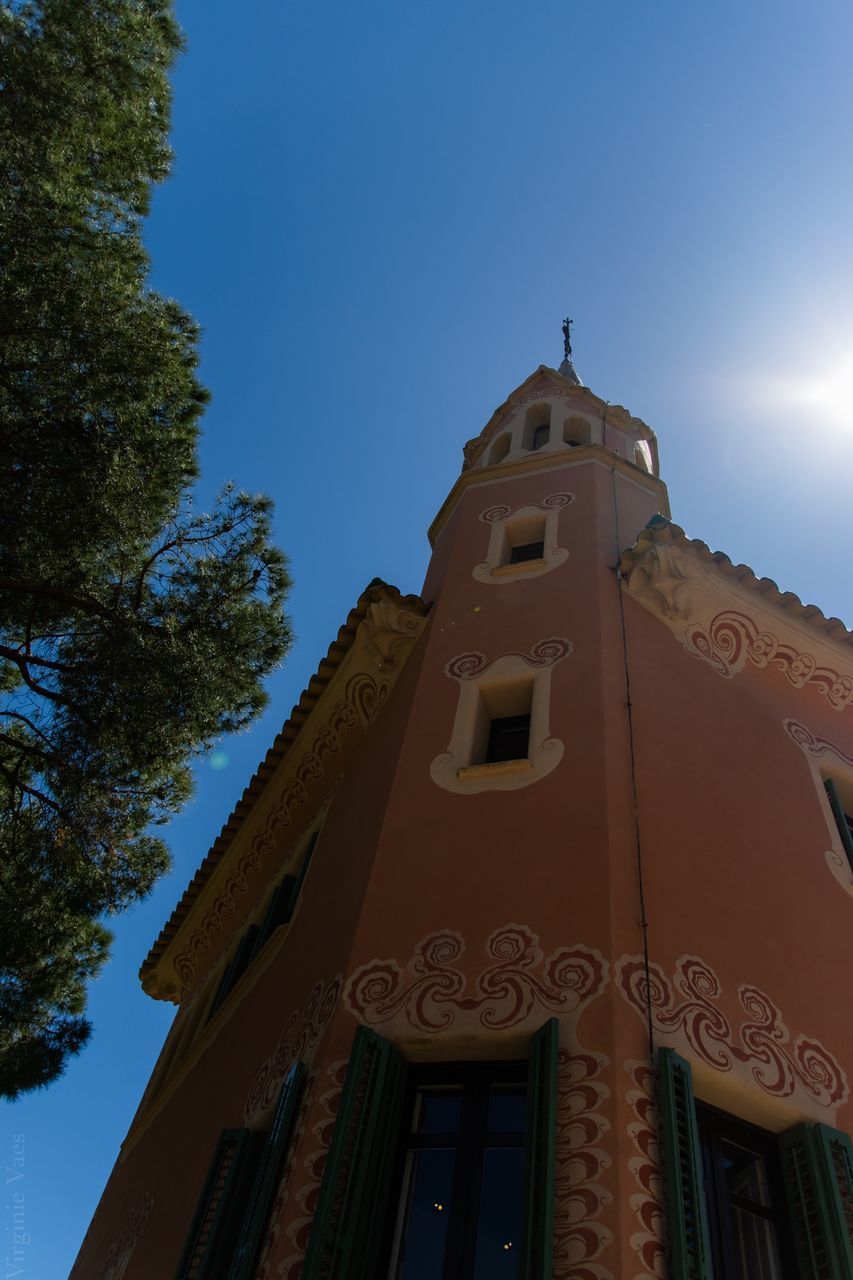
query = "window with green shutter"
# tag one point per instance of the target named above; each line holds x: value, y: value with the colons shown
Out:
x: 232, y: 1212
x: 219, y: 1214
x: 746, y: 1204
x: 347, y: 1234
x: 442, y: 1170
x: 747, y: 1216
x: 279, y: 911
x: 686, y: 1217
x: 540, y: 1160
x: 267, y: 1176
x: 817, y: 1165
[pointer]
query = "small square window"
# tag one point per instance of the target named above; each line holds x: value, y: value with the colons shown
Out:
x: 527, y: 551
x: 523, y: 540
x: 509, y: 739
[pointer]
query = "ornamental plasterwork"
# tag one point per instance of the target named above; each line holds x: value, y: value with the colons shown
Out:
x: 351, y: 701
x: 686, y: 1013
x: 456, y: 768
x: 390, y: 633
x: 500, y: 519
x: 815, y: 749
x: 729, y: 628
x: 518, y: 984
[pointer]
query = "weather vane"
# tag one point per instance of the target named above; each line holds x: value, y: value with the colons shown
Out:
x: 567, y: 337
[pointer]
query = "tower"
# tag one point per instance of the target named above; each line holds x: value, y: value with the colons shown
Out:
x: 525, y: 952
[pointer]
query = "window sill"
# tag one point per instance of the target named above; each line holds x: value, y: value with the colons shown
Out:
x: 510, y: 570
x: 496, y: 769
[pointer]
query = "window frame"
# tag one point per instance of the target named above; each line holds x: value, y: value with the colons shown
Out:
x: 354, y: 1206
x: 470, y: 1144
x: 715, y: 1128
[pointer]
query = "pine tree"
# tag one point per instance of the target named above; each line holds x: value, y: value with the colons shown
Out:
x: 134, y: 630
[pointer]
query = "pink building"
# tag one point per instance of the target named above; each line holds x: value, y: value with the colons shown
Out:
x: 525, y: 953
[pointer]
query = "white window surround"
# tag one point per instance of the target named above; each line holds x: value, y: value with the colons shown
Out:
x: 488, y: 688
x: 508, y: 529
x: 825, y: 760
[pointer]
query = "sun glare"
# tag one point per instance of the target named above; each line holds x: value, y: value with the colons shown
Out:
x: 821, y: 389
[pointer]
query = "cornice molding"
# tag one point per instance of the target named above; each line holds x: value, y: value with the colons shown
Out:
x: 354, y: 694
x: 543, y: 461
x: 728, y: 618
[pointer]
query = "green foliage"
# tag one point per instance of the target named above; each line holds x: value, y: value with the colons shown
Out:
x: 134, y: 630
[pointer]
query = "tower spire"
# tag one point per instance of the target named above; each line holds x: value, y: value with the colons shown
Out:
x: 567, y: 369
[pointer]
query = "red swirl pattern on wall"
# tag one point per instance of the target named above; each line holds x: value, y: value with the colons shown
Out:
x: 282, y: 1195
x: 545, y: 653
x: 118, y: 1258
x: 364, y: 696
x: 493, y: 514
x: 579, y: 1238
x: 647, y: 1201
x: 431, y: 991
x: 322, y: 1125
x: 300, y: 1034
x: 732, y: 639
x: 554, y: 500
x: 686, y: 1007
x: 812, y: 744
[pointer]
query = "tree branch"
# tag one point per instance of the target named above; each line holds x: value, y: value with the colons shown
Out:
x: 15, y: 655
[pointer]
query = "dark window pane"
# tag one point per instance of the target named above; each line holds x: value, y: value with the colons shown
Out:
x: 507, y: 1110
x: 437, y: 1111
x: 529, y: 551
x: 499, y: 1222
x: 754, y: 1247
x: 508, y: 739
x: 427, y: 1213
x: 540, y: 436
x: 746, y: 1176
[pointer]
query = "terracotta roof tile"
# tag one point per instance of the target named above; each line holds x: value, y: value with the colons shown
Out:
x: 661, y: 530
x: 376, y: 590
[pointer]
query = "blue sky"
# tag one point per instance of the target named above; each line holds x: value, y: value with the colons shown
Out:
x: 380, y: 213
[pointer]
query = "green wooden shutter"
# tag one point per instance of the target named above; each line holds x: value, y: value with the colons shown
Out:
x: 236, y: 968
x: 266, y: 1178
x: 540, y: 1155
x: 300, y: 879
x: 840, y: 818
x: 216, y: 1222
x: 353, y: 1204
x: 817, y: 1165
x: 278, y: 912
x: 686, y: 1212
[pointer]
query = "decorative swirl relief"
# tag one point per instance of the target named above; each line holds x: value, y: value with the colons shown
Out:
x: 545, y: 653
x: 118, y: 1259
x: 579, y: 1237
x: 323, y: 1117
x: 686, y: 1009
x: 814, y: 748
x: 282, y: 1195
x: 363, y: 697
x: 647, y: 1202
x: 431, y: 992
x: 492, y: 515
x: 301, y: 1033
x: 732, y: 639
x: 812, y: 744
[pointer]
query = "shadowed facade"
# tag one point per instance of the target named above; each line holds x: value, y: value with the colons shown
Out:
x: 525, y: 952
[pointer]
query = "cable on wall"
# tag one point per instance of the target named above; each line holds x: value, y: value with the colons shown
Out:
x: 644, y: 922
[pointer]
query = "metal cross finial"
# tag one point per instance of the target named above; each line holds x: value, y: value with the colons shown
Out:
x: 567, y: 338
